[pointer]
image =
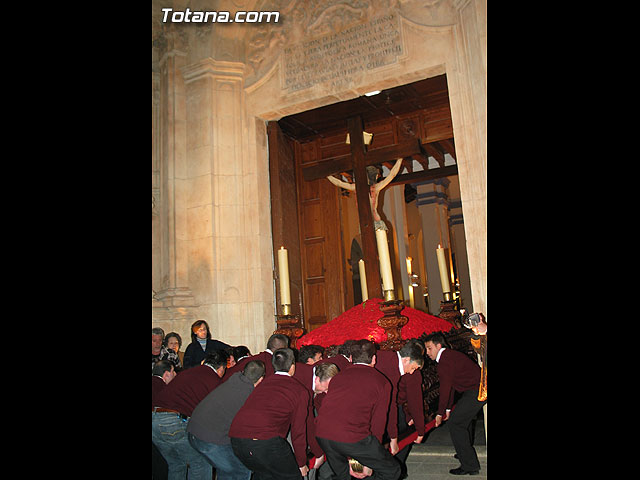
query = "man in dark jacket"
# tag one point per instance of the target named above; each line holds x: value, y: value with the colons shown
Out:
x: 457, y: 372
x: 209, y: 424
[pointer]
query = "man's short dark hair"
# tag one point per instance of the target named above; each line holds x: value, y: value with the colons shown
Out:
x: 309, y: 352
x: 254, y: 370
x: 414, y: 352
x: 282, y: 359
x: 160, y: 367
x: 345, y: 348
x: 435, y: 337
x: 241, y: 351
x: 276, y: 341
x: 418, y: 342
x: 216, y: 359
x: 362, y: 351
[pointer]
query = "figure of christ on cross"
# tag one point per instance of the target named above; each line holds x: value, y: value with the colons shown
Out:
x: 366, y: 195
x: 374, y: 189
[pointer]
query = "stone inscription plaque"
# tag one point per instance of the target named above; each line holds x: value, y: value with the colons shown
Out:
x: 337, y: 58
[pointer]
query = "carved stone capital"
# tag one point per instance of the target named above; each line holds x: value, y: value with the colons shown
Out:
x: 213, y: 68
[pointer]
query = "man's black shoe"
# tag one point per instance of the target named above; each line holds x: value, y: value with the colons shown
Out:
x: 461, y: 471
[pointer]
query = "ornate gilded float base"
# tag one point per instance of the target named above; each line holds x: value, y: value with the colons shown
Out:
x: 392, y: 322
x: 290, y: 326
x: 449, y: 312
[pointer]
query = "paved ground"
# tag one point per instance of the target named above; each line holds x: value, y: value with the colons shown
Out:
x: 434, y: 463
x: 432, y: 459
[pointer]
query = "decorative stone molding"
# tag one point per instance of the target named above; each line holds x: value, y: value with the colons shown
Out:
x: 214, y: 69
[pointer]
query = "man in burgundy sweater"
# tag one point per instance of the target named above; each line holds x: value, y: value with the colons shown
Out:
x: 163, y: 372
x: 173, y: 407
x: 259, y: 429
x: 343, y: 358
x: 394, y: 365
x: 352, y: 418
x: 316, y: 378
x: 457, y: 372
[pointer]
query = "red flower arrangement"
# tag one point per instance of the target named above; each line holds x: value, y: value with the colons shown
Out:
x: 361, y: 322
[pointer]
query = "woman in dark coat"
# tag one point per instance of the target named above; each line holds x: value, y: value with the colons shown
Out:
x: 201, y: 344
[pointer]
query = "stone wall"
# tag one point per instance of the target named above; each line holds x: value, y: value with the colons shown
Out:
x: 214, y: 88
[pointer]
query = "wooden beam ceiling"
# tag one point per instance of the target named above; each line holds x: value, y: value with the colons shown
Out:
x: 412, y: 121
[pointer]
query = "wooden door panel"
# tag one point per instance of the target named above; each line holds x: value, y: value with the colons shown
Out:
x: 284, y: 212
x: 313, y: 222
x: 318, y: 306
x: 314, y: 253
x: 321, y: 248
x: 306, y: 220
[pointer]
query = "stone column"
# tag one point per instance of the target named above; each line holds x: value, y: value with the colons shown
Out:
x: 469, y: 116
x: 174, y: 292
x: 459, y: 244
x: 468, y: 97
x: 226, y: 256
x: 156, y: 279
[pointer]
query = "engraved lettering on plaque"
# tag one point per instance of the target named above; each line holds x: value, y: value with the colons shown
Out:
x: 336, y: 58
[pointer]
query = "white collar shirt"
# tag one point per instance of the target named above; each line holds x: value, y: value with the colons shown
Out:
x: 400, y: 366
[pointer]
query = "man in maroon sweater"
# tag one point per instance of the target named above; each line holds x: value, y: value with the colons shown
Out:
x: 259, y: 429
x: 173, y: 407
x: 457, y: 372
x: 352, y: 418
x: 163, y: 372
x: 394, y: 365
x: 316, y: 378
x: 343, y: 358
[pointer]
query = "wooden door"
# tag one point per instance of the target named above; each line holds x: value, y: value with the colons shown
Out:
x: 305, y: 220
x: 284, y: 213
x: 323, y: 264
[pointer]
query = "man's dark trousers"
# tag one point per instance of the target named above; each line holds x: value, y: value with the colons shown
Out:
x: 367, y: 451
x: 459, y: 425
x: 270, y: 459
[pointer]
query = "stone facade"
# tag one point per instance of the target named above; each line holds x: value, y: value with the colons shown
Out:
x: 214, y: 87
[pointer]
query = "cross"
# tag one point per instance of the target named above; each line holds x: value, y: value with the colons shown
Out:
x: 360, y: 159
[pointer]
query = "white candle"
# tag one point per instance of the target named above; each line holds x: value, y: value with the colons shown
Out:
x: 409, y: 272
x: 363, y: 280
x: 283, y: 268
x: 444, y: 271
x: 385, y: 261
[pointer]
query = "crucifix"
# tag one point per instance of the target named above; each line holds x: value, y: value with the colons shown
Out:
x: 359, y: 161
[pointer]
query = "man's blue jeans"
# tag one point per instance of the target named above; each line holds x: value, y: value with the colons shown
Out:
x: 169, y: 433
x: 227, y: 465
